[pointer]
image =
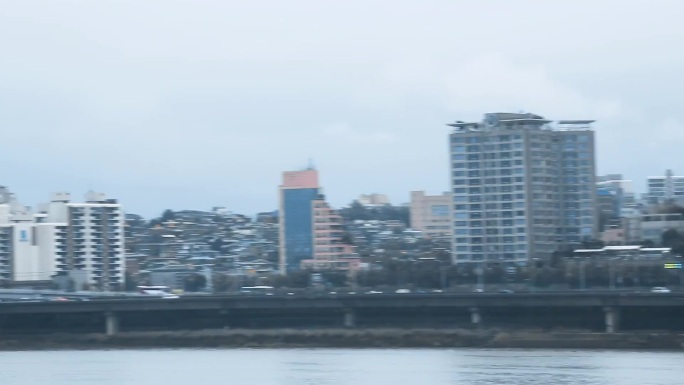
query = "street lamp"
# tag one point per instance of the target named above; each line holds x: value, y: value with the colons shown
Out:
x: 442, y: 270
x: 581, y: 265
x: 479, y: 270
x: 611, y: 274
x: 681, y: 271
x: 533, y: 277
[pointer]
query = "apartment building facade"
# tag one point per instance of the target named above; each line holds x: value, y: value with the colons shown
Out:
x: 522, y: 186
x: 63, y: 237
x: 663, y: 188
x: 431, y: 214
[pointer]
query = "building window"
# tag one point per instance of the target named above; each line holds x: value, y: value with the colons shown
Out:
x: 440, y: 210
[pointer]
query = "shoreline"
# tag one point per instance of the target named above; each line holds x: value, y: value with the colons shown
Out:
x: 348, y: 338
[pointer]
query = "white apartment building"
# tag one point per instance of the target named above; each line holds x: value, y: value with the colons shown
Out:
x: 522, y: 185
x: 667, y: 187
x: 620, y: 188
x: 63, y: 236
x: 19, y: 259
x: 371, y: 200
x: 431, y: 214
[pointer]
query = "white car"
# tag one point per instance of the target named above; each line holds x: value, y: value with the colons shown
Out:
x: 660, y: 290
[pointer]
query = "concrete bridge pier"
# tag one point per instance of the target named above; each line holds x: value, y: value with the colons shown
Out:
x: 475, y: 316
x: 224, y: 313
x: 612, y: 316
x: 111, y: 323
x: 349, y: 318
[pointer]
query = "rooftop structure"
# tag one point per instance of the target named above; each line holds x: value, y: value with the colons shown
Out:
x: 663, y: 188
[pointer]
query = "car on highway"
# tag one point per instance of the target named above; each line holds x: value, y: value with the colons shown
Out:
x: 660, y: 290
x: 163, y: 292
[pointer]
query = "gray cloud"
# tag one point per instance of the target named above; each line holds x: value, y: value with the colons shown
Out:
x: 199, y: 103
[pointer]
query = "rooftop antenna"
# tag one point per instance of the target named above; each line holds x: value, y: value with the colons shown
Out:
x: 311, y: 165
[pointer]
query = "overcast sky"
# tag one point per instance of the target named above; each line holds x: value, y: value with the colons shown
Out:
x: 194, y: 104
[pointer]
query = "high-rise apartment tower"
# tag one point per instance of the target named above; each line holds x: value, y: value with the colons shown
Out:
x: 522, y: 187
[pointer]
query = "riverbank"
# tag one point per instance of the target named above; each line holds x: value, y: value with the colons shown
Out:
x: 349, y: 338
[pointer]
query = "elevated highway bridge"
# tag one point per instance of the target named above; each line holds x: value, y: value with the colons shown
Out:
x: 609, y: 312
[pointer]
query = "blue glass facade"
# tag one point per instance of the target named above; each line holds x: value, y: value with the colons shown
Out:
x: 298, y: 222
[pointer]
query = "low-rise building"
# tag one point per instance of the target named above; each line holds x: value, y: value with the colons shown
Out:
x: 650, y: 227
x: 371, y: 200
x: 431, y: 214
x: 653, y: 226
x: 627, y: 252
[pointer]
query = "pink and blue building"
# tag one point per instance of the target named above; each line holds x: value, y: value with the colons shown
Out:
x: 311, y: 233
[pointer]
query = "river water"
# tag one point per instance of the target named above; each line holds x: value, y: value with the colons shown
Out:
x: 340, y: 367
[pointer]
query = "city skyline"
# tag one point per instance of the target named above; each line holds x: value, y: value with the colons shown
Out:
x: 192, y: 109
x: 404, y: 198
